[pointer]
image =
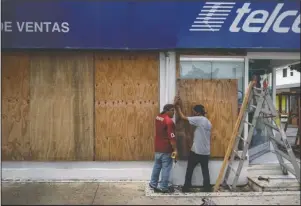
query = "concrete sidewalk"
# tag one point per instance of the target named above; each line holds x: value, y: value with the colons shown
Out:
x: 117, y: 193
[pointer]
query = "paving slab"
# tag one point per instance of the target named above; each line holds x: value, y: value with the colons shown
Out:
x: 274, y: 183
x: 122, y: 193
x: 132, y: 193
x: 48, y: 193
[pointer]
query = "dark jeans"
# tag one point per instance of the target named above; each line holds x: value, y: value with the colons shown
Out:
x: 193, y: 160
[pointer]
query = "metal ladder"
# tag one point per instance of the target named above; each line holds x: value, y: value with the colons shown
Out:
x: 259, y: 101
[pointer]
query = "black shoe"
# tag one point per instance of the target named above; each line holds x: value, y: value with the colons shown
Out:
x: 169, y: 190
x: 153, y: 187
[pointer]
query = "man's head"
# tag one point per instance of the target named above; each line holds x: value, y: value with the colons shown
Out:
x: 199, y: 110
x: 169, y: 109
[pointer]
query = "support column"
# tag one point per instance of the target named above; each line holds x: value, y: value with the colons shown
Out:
x: 167, y: 78
x: 274, y: 86
x: 171, y: 77
x: 246, y: 129
x: 280, y: 103
x: 162, y: 83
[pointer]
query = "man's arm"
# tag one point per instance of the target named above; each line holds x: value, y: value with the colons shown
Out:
x: 180, y: 113
x: 179, y: 106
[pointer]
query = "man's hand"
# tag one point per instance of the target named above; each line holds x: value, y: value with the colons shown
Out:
x: 176, y: 100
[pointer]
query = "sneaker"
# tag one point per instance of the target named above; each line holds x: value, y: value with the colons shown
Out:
x: 160, y: 190
x: 171, y: 189
x: 153, y: 187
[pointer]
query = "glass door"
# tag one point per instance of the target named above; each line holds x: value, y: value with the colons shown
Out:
x: 263, y: 68
x: 261, y: 72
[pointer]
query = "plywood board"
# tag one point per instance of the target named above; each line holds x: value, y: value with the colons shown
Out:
x: 15, y: 106
x: 220, y: 100
x: 61, y: 106
x: 126, y: 103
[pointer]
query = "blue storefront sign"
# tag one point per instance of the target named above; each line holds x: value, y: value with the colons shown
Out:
x: 135, y: 24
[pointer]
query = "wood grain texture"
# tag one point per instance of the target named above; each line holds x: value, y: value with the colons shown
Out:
x: 15, y: 106
x: 61, y: 106
x: 220, y: 100
x: 126, y: 103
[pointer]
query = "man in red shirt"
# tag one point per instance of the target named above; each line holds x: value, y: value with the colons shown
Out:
x: 165, y: 147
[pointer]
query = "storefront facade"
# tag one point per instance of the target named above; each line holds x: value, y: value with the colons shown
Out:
x: 86, y: 83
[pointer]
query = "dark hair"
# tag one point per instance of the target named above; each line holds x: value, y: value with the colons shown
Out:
x: 199, y: 109
x: 167, y: 107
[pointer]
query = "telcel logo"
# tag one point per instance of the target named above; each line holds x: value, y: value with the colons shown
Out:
x: 264, y: 20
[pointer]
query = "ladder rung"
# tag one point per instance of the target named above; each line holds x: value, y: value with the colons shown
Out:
x: 258, y: 89
x: 268, y: 113
x: 232, y: 169
x: 282, y: 154
x: 249, y: 123
x: 254, y: 106
x: 243, y: 139
x: 238, y: 155
x: 272, y: 126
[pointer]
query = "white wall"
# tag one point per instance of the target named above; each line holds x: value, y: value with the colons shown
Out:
x: 280, y: 80
x: 107, y: 171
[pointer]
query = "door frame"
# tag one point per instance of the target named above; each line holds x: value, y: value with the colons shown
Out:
x: 266, y: 147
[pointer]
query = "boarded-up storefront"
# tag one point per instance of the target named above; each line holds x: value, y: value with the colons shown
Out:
x: 86, y: 106
x: 80, y: 106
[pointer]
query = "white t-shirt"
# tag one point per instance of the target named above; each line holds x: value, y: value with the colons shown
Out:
x: 202, y: 134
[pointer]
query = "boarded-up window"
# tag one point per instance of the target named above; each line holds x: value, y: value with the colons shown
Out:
x: 218, y: 84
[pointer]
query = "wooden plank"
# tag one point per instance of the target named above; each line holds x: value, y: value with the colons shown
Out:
x: 233, y: 136
x: 126, y: 103
x: 220, y: 100
x: 61, y: 106
x: 15, y: 106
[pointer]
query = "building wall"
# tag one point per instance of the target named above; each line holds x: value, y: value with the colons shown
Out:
x: 280, y: 80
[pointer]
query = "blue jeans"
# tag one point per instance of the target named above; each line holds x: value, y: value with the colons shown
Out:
x: 162, y: 161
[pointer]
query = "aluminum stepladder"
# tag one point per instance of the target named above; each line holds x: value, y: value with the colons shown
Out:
x: 259, y: 101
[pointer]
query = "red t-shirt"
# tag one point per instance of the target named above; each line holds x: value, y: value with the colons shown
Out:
x: 165, y: 134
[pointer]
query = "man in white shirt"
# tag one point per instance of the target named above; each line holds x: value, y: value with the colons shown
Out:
x: 200, y: 150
